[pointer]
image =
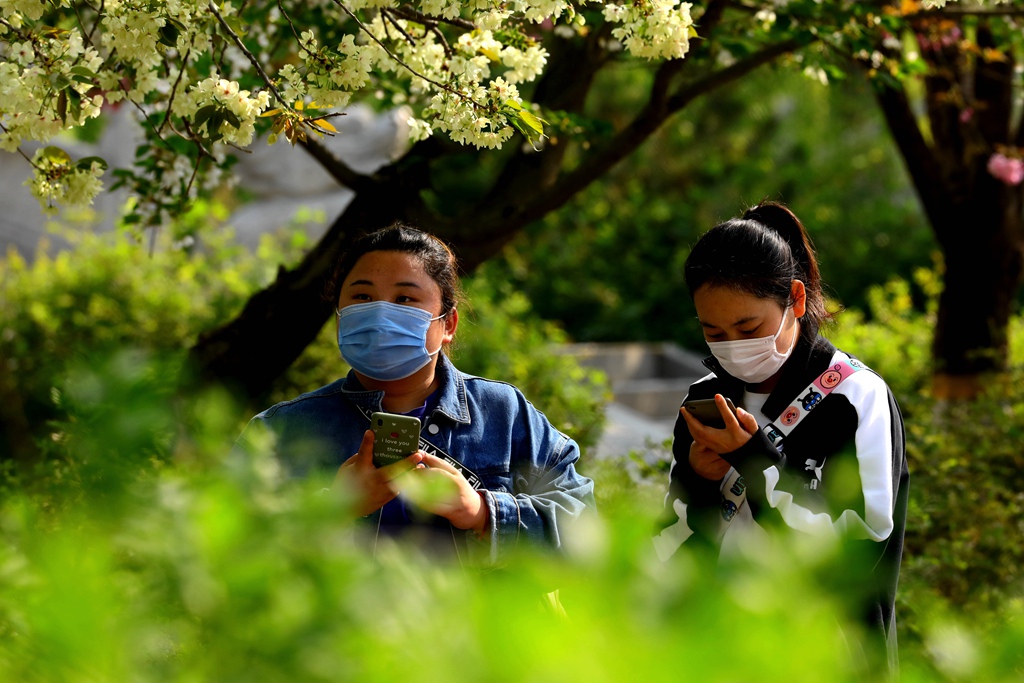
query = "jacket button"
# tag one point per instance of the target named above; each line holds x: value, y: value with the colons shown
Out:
x: 433, y: 429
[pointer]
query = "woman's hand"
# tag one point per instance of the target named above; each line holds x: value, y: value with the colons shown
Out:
x: 372, y: 486
x: 442, y: 490
x: 737, y: 432
x: 707, y: 463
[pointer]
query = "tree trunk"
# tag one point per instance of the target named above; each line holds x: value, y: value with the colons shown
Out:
x: 976, y: 218
x: 984, y: 269
x: 251, y: 351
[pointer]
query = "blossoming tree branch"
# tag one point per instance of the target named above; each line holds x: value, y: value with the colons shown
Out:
x: 201, y: 74
x: 205, y: 79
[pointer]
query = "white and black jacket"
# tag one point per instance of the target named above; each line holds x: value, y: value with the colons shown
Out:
x: 853, y: 439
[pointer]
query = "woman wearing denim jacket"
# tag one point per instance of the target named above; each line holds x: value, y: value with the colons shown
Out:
x: 511, y: 472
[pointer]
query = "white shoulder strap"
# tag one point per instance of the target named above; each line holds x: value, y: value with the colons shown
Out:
x: 733, y: 486
x: 841, y: 367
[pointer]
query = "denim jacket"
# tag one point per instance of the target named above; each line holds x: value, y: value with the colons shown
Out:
x: 526, y: 466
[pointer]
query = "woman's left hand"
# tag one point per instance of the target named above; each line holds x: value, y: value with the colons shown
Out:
x: 738, y: 428
x: 445, y: 492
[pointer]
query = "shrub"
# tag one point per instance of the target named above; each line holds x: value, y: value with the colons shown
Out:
x: 966, y: 515
x: 62, y: 313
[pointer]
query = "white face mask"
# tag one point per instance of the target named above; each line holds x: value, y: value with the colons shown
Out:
x: 752, y: 360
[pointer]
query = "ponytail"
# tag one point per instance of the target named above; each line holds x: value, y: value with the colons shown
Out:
x: 761, y: 254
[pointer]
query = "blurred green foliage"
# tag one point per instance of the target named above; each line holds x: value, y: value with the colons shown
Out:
x: 609, y: 265
x: 214, y: 567
x: 107, y: 292
x: 966, y: 514
x: 64, y: 315
x: 139, y: 549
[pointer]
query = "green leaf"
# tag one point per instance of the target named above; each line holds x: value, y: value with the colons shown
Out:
x: 60, y: 81
x: 168, y: 35
x: 230, y: 117
x: 83, y: 71
x: 62, y: 106
x: 534, y: 122
x: 75, y: 102
x: 204, y: 114
x: 56, y: 156
x: 213, y: 123
x: 85, y: 163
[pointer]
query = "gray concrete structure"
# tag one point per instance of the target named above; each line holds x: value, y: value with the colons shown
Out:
x: 649, y: 381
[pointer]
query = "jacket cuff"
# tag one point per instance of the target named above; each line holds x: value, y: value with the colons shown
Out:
x: 754, y: 457
x: 503, y: 524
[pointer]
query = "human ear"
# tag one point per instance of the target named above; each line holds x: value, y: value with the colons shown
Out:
x: 798, y: 293
x: 451, y: 323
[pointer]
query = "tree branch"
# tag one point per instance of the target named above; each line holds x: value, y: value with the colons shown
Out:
x: 426, y: 20
x: 506, y: 213
x: 338, y: 169
x: 658, y: 109
x: 365, y: 29
x: 248, y: 55
x: 19, y: 150
x: 920, y: 159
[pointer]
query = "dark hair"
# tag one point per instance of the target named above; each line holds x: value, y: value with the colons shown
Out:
x: 438, y: 260
x: 761, y: 254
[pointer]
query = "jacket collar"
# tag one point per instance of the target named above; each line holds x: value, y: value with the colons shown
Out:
x: 452, y: 401
x: 808, y: 360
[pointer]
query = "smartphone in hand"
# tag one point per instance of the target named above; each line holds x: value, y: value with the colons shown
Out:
x: 395, y: 437
x: 706, y: 411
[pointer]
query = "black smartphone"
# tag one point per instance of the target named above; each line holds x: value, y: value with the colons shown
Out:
x: 394, y: 437
x: 706, y: 411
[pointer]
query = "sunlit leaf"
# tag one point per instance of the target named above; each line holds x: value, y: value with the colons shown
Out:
x: 321, y: 123
x: 991, y: 54
x: 534, y: 122
x: 56, y: 156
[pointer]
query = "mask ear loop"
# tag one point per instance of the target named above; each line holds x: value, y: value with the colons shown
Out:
x: 796, y: 335
x: 443, y: 315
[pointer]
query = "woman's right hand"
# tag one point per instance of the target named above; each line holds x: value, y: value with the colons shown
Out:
x: 707, y: 463
x: 372, y: 486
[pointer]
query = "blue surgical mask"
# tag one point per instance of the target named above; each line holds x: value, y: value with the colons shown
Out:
x: 384, y: 341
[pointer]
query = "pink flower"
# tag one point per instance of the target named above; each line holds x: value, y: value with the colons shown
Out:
x: 1008, y: 169
x: 966, y: 114
x: 952, y: 37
